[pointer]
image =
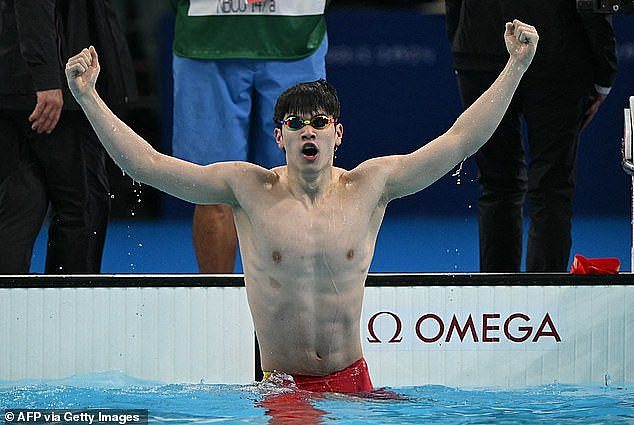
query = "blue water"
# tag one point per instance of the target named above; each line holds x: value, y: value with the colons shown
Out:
x: 205, y: 403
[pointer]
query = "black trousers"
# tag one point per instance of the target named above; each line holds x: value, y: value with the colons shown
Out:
x: 553, y: 112
x: 66, y: 170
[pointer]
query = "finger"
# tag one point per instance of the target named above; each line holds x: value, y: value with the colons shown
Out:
x: 51, y: 123
x: 48, y: 120
x: 81, y: 59
x: 71, y: 67
x: 76, y: 69
x: 45, y: 126
x: 37, y: 125
x: 94, y: 56
x: 55, y: 120
x: 524, y: 32
x: 77, y: 59
x: 519, y: 34
x: 85, y: 54
x: 36, y: 112
x: 81, y: 65
x: 52, y: 111
x: 530, y: 34
x: 44, y: 111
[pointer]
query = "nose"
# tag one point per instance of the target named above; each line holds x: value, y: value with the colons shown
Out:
x: 308, y: 133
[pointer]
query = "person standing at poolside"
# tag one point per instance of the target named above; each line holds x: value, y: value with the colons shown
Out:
x: 50, y: 156
x: 307, y: 230
x: 231, y: 61
x: 570, y: 77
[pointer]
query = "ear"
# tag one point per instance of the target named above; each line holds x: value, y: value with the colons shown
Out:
x: 338, y: 133
x: 278, y: 138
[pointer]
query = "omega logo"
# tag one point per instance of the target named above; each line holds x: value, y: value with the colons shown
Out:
x: 515, y: 328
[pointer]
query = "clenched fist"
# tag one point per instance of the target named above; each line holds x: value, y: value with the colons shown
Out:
x: 521, y: 41
x: 82, y: 71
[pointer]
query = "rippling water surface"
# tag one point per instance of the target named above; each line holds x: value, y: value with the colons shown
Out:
x: 206, y: 403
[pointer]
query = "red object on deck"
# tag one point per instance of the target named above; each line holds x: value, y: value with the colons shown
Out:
x: 583, y: 265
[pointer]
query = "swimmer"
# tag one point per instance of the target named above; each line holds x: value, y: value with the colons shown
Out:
x: 307, y: 229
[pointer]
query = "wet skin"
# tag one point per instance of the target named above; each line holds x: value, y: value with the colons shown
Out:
x: 306, y: 230
x: 305, y: 266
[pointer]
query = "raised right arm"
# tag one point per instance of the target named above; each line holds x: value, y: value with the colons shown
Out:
x: 211, y: 184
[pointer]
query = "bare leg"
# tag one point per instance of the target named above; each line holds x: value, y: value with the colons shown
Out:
x: 215, y: 238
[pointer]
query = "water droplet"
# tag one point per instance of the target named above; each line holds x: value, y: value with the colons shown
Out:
x: 141, y: 245
x: 112, y: 196
x: 459, y: 170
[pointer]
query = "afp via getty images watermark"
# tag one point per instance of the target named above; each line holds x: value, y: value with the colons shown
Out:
x: 76, y: 417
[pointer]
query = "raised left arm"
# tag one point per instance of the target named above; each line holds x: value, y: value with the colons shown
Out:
x: 407, y: 174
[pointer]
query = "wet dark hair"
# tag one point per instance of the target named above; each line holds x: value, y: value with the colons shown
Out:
x: 307, y: 99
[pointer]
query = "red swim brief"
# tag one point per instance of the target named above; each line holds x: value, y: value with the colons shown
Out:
x: 353, y: 379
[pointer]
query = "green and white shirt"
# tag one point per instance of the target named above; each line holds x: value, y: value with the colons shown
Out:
x: 241, y: 29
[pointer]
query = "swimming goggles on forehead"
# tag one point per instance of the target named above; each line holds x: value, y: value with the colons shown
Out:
x: 318, y: 122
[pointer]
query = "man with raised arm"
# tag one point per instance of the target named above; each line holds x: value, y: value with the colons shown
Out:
x: 307, y: 230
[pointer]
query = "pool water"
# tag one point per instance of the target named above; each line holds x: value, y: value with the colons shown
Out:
x: 262, y: 404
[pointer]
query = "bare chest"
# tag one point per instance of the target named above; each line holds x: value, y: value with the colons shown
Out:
x: 289, y: 236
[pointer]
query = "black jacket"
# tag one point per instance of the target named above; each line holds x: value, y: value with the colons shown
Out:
x: 38, y: 36
x: 571, y: 44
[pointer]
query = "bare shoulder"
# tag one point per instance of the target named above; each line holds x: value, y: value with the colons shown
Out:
x: 240, y: 172
x: 368, y: 178
x: 374, y: 169
x: 229, y: 182
x: 374, y: 176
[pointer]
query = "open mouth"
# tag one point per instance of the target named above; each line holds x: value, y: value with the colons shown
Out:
x: 310, y: 150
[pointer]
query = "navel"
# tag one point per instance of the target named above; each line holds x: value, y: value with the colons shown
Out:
x: 277, y: 257
x: 350, y: 254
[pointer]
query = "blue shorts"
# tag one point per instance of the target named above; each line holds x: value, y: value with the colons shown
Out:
x: 223, y: 109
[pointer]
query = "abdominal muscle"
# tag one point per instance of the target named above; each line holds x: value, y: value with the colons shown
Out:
x: 304, y: 326
x: 304, y: 268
